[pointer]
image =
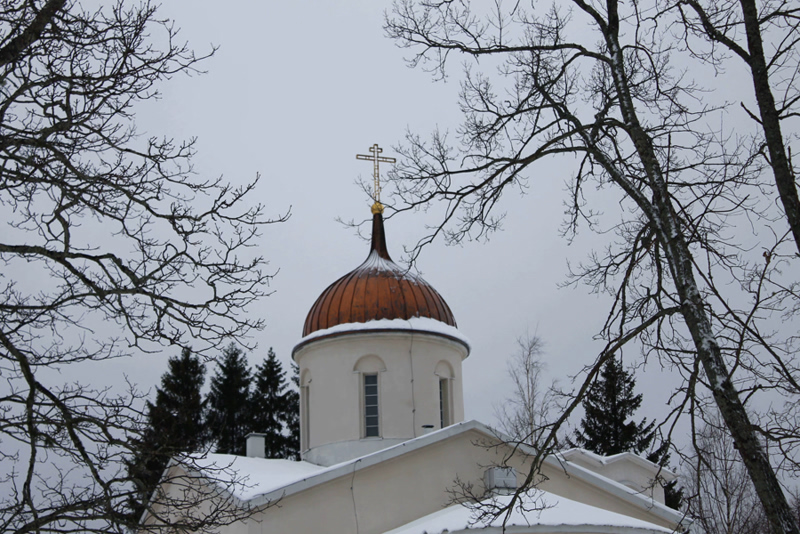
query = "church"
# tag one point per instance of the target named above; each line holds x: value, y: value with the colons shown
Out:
x: 385, y: 448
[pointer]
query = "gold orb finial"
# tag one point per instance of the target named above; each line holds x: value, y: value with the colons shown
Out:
x: 377, y: 207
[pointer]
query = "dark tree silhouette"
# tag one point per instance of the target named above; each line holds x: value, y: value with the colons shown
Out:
x: 609, y: 405
x: 271, y: 407
x: 228, y: 419
x: 608, y: 427
x: 111, y: 243
x: 174, y: 424
x: 764, y: 37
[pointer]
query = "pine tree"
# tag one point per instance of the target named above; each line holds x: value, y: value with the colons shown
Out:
x: 272, y: 406
x: 608, y: 406
x: 607, y: 430
x: 173, y: 424
x: 228, y: 418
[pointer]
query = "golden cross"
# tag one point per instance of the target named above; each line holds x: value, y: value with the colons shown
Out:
x: 376, y: 174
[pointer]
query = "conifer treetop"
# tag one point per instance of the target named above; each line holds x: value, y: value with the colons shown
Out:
x: 606, y: 427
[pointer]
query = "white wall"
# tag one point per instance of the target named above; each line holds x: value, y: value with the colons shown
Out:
x: 406, y: 363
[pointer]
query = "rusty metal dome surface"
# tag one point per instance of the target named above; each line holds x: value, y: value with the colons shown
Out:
x: 376, y: 289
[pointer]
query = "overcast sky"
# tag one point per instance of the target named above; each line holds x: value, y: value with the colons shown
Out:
x: 294, y: 92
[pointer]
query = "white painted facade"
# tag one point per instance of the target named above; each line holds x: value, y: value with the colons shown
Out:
x: 407, y: 489
x: 626, y: 468
x: 418, y: 377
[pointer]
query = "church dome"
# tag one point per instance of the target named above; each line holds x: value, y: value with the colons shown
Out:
x: 377, y: 289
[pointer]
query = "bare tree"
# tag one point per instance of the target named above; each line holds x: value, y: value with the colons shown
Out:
x: 110, y: 245
x: 765, y: 38
x: 721, y: 496
x: 597, y: 82
x: 526, y: 413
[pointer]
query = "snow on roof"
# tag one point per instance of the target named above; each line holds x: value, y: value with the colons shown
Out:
x: 375, y: 262
x: 539, y: 508
x: 247, y: 477
x: 600, y: 460
x: 260, y: 480
x: 420, y: 324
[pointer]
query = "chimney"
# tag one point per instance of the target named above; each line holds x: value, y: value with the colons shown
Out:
x: 427, y: 429
x: 256, y: 445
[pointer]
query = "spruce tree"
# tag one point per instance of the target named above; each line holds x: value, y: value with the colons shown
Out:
x: 609, y: 405
x: 272, y: 406
x: 173, y: 424
x: 606, y: 427
x: 228, y: 418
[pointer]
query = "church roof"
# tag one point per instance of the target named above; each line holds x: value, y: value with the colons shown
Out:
x: 537, y: 511
x: 246, y: 478
x: 256, y: 482
x: 597, y: 462
x: 421, y: 325
x: 375, y: 290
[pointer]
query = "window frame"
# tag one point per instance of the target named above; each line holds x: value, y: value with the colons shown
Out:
x: 305, y: 416
x: 445, y: 401
x: 366, y: 404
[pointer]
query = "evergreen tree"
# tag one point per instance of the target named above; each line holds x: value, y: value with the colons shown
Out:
x: 608, y: 406
x: 606, y: 427
x: 272, y: 406
x: 174, y: 424
x: 228, y: 418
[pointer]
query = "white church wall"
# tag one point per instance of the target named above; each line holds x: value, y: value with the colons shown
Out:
x: 408, y: 385
x: 633, y: 477
x: 383, y: 496
x: 397, y: 486
x: 398, y: 490
x: 626, y: 468
x: 573, y: 487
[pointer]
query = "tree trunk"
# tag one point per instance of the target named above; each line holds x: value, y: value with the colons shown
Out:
x: 770, y: 120
x: 665, y: 221
x: 736, y: 419
x: 745, y: 439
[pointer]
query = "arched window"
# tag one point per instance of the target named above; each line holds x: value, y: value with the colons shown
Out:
x: 369, y: 369
x: 444, y: 374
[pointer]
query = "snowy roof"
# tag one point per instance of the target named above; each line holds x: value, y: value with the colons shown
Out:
x: 415, y: 324
x: 246, y: 478
x: 540, y: 509
x: 593, y: 459
x: 259, y: 481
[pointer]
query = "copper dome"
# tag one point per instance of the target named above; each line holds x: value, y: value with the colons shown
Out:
x: 376, y: 289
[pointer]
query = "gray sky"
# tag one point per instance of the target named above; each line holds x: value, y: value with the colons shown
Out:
x: 294, y: 92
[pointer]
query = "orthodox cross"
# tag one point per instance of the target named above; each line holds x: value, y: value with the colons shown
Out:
x: 376, y: 174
